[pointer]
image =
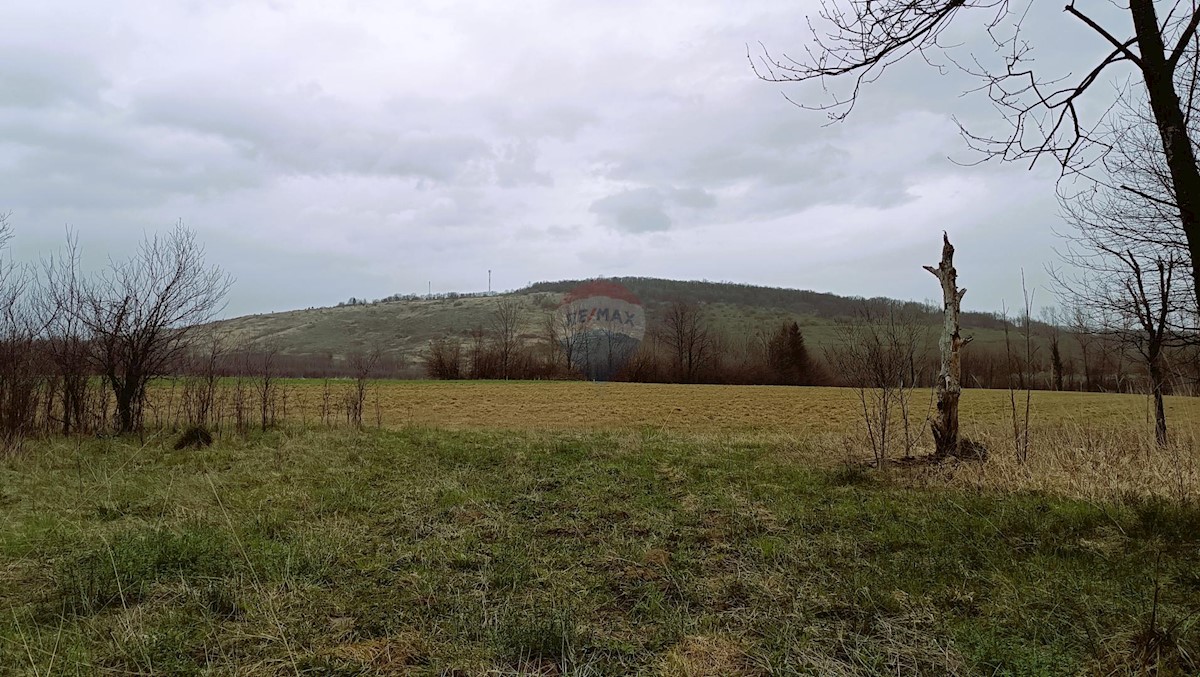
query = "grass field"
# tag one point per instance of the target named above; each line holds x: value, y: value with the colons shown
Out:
x: 577, y: 405
x: 572, y: 528
x: 1088, y: 445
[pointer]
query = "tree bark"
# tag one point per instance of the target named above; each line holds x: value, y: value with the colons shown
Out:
x: 1160, y: 412
x: 949, y: 388
x: 1158, y: 71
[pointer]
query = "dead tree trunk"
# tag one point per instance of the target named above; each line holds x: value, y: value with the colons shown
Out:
x: 945, y: 425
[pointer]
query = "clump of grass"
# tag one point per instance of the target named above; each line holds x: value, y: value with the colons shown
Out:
x: 194, y: 437
x: 551, y: 636
x: 222, y: 597
x: 121, y: 570
x: 849, y: 474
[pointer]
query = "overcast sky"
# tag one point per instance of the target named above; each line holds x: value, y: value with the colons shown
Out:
x: 329, y: 149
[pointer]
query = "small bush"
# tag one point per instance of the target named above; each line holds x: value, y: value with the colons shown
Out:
x: 195, y: 437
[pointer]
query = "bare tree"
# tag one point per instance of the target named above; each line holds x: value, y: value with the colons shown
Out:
x: 506, y: 320
x: 1136, y: 299
x: 1140, y: 302
x: 581, y: 345
x: 1128, y: 244
x: 615, y: 346
x: 142, y: 314
x: 687, y: 340
x: 1132, y: 185
x: 857, y: 40
x: 567, y: 338
x: 481, y: 363
x: 1085, y: 337
x: 553, y: 333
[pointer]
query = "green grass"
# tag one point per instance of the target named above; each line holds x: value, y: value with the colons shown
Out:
x: 428, y: 552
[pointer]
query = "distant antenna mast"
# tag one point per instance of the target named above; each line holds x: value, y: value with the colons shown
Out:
x: 489, y: 280
x: 430, y: 294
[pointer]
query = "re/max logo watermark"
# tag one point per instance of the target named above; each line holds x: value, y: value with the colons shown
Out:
x: 608, y: 315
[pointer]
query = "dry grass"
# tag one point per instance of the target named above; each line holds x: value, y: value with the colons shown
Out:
x: 576, y: 405
x: 1083, y: 461
x: 705, y: 656
x: 1089, y: 445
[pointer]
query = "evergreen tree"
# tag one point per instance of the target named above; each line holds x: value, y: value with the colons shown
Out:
x: 788, y: 357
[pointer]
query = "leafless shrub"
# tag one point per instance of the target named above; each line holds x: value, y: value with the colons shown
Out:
x: 142, y: 314
x: 444, y: 360
x: 239, y: 396
x: 363, y: 363
x: 265, y: 383
x: 326, y: 404
x: 1020, y: 370
x: 21, y: 381
x: 68, y: 341
x: 877, y: 355
x: 200, y: 386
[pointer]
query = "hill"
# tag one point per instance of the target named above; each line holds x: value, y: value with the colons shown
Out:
x: 403, y: 326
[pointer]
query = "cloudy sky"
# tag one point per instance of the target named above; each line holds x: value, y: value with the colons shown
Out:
x: 327, y: 149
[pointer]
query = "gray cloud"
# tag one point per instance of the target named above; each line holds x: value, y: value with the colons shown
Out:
x: 305, y: 131
x: 635, y: 211
x: 46, y: 78
x: 342, y: 148
x: 641, y: 210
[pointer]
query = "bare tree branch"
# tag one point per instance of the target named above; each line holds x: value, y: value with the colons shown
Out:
x: 859, y: 39
x: 1184, y: 38
x: 1122, y: 47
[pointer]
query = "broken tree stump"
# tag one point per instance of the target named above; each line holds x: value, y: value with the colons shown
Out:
x: 948, y: 388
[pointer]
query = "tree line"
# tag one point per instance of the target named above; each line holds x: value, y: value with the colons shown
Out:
x: 682, y: 347
x: 686, y: 344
